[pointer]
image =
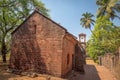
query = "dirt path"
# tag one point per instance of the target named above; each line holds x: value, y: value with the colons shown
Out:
x: 93, y: 72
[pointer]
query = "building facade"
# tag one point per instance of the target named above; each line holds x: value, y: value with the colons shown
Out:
x: 43, y: 46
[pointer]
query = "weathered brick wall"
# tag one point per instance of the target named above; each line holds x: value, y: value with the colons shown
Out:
x: 37, y: 46
x: 79, y: 58
x: 73, y: 57
x: 67, y: 54
x: 26, y: 57
x: 50, y: 38
x: 112, y: 62
x: 43, y: 46
x: 25, y: 49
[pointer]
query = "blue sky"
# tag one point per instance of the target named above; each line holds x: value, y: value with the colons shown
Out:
x: 68, y: 13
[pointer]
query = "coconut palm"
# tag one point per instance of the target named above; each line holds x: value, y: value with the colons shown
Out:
x: 86, y: 21
x: 108, y: 8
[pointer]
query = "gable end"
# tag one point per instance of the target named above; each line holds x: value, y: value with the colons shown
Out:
x: 41, y: 15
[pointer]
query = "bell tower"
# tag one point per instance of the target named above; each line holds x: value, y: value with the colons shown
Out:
x: 82, y: 40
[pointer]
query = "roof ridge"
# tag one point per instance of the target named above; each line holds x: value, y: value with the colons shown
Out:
x: 41, y: 15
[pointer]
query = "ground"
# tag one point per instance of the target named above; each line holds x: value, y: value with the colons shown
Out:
x: 92, y: 72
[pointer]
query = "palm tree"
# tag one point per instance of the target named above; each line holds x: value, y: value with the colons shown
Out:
x: 87, y: 20
x: 108, y: 8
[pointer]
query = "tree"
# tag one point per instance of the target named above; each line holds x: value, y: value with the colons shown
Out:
x: 107, y: 35
x: 87, y: 20
x: 109, y: 8
x: 12, y: 13
x: 106, y: 40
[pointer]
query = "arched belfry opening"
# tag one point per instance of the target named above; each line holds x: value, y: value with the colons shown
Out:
x: 82, y: 40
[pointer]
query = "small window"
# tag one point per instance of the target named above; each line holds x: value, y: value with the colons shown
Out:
x: 68, y: 59
x: 34, y: 29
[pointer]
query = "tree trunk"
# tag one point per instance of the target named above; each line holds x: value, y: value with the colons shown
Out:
x: 4, y: 51
x: 4, y: 58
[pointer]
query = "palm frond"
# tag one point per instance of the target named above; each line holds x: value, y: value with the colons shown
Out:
x: 87, y: 20
x: 108, y: 7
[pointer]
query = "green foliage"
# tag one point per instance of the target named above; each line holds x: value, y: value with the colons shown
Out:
x: 106, y: 40
x: 108, y: 8
x: 87, y: 20
x: 106, y: 34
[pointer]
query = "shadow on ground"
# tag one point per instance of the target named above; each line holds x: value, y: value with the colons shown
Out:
x: 3, y: 74
x: 90, y: 74
x: 7, y: 76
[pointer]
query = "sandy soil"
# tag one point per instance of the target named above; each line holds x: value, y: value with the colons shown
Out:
x: 92, y: 72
